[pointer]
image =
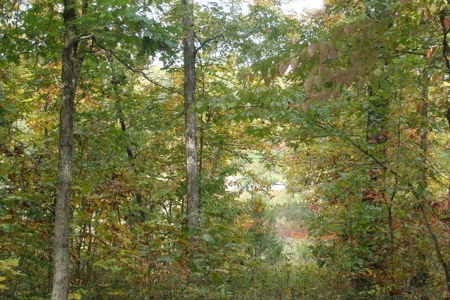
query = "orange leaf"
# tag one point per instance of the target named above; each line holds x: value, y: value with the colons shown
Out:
x: 447, y: 22
x: 419, y: 107
x: 430, y: 53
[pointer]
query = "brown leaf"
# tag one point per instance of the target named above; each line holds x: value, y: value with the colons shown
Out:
x: 354, y: 58
x: 360, y: 82
x: 294, y: 63
x: 323, y: 55
x: 429, y: 15
x: 326, y: 73
x: 419, y: 107
x: 318, y: 97
x: 368, y: 33
x: 447, y: 22
x: 349, y: 30
x: 318, y: 81
x: 338, y: 77
x: 306, y: 104
x: 333, y: 54
x: 267, y: 81
x: 309, y: 82
x: 350, y: 76
x: 435, y: 77
x: 332, y: 51
x: 302, y: 54
x: 312, y: 49
x: 394, y: 292
x: 372, y: 59
x: 336, y: 91
x: 430, y: 53
x: 326, y: 95
x: 282, y: 68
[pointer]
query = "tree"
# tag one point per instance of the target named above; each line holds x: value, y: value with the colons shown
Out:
x: 190, y: 115
x: 71, y: 66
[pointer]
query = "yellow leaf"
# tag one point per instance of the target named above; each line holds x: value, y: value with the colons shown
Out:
x: 75, y: 296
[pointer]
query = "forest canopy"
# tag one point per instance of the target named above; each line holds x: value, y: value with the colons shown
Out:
x: 224, y: 150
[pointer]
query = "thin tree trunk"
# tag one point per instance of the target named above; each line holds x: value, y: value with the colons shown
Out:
x: 190, y: 116
x: 70, y: 70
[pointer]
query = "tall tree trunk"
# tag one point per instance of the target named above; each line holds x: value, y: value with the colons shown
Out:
x: 190, y: 121
x: 70, y: 71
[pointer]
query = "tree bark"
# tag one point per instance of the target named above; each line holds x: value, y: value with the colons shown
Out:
x: 69, y: 77
x: 190, y: 119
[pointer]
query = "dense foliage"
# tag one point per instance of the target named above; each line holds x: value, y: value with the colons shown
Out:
x: 347, y: 107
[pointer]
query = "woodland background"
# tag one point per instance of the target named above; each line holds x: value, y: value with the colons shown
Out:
x: 347, y: 107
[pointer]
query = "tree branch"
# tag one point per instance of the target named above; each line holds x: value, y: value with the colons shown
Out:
x: 205, y: 41
x: 139, y: 72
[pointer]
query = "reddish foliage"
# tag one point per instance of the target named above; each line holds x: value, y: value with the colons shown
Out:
x: 293, y: 230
